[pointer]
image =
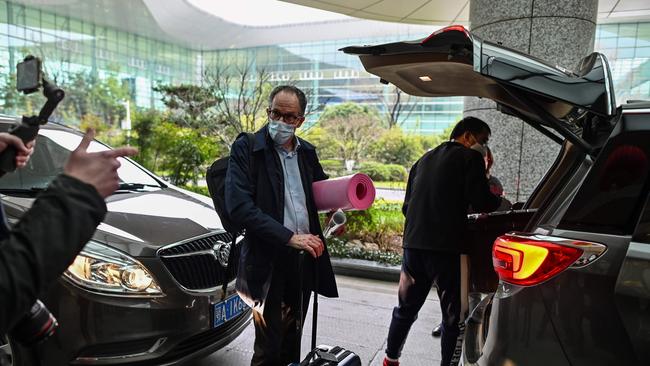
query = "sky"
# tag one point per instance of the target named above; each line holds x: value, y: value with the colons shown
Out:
x: 264, y: 12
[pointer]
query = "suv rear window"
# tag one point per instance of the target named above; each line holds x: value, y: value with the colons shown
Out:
x: 611, y: 197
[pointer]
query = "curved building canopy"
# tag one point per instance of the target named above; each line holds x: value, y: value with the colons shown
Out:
x: 445, y: 12
x: 183, y: 22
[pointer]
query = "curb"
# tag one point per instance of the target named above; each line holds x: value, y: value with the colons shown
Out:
x: 390, y: 189
x: 365, y: 269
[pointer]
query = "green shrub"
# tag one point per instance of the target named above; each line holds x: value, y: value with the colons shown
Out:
x: 333, y: 167
x: 382, y: 224
x: 384, y: 172
x: 395, y: 147
x: 338, y: 248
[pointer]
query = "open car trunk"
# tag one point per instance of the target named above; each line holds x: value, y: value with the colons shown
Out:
x: 577, y: 106
x: 576, y: 109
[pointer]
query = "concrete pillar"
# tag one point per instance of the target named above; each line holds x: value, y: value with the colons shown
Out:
x: 560, y: 32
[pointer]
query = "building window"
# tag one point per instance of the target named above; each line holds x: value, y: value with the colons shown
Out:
x: 137, y: 63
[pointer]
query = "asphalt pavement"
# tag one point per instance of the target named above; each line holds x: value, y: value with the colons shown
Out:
x: 358, y: 320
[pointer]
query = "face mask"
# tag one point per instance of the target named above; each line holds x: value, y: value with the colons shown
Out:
x: 480, y: 148
x: 281, y: 132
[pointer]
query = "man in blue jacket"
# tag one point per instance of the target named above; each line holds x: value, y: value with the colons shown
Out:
x: 274, y: 202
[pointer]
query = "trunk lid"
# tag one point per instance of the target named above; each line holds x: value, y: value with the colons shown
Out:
x: 579, y: 106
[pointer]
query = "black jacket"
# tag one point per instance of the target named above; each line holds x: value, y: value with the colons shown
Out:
x: 259, y: 207
x: 441, y: 186
x: 44, y: 243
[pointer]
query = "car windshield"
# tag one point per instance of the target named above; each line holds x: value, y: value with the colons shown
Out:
x: 50, y: 154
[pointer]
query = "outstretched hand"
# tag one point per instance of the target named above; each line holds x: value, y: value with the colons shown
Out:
x: 98, y: 169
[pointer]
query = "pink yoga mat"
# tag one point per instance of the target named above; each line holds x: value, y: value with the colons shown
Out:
x: 352, y: 192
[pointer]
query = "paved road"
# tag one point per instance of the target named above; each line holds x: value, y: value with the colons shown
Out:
x: 358, y: 320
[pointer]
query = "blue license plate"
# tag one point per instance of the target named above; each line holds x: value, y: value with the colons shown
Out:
x: 227, y: 310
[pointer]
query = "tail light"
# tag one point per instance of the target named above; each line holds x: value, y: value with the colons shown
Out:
x: 530, y: 260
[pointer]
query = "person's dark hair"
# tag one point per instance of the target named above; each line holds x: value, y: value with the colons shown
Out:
x: 302, y: 99
x: 472, y: 125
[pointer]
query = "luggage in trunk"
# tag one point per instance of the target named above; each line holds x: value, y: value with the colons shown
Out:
x: 482, y: 230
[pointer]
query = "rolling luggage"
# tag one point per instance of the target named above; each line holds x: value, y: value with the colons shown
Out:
x: 324, y: 355
x: 328, y: 356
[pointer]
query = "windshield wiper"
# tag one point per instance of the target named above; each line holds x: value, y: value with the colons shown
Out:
x: 28, y: 191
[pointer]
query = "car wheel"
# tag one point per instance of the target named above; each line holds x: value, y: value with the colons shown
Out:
x: 13, y: 355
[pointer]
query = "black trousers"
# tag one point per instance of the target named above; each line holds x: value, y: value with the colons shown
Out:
x: 420, y: 270
x: 277, y: 330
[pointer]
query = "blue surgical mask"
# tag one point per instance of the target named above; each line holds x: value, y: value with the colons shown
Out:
x: 281, y: 132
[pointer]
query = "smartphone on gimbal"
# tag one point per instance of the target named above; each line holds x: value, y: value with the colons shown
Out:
x: 29, y: 75
x: 29, y: 78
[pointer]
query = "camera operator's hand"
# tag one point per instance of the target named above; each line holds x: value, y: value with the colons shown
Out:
x: 98, y: 169
x: 23, y: 151
x: 307, y: 242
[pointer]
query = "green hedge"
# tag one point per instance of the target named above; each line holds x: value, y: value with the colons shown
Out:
x: 338, y: 248
x: 382, y: 224
x: 384, y: 172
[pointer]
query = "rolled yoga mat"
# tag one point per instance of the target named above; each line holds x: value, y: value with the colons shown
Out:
x: 352, y: 192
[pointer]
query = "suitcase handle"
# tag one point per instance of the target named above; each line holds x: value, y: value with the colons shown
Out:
x: 299, y: 324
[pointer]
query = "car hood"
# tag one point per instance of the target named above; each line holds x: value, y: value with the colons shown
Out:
x: 141, y: 222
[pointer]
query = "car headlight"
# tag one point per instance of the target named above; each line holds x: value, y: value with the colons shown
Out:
x: 104, y: 269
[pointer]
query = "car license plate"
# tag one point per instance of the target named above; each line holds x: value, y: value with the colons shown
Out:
x: 227, y: 310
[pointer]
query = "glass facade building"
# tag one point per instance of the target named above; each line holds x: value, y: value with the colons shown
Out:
x: 331, y: 77
x: 627, y: 46
x: 71, y: 45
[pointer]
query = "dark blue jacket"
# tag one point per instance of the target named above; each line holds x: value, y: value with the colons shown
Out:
x: 258, y: 205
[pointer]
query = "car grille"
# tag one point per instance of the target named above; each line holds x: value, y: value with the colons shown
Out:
x: 194, y: 264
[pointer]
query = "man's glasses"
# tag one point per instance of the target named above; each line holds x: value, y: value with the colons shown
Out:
x: 289, y: 118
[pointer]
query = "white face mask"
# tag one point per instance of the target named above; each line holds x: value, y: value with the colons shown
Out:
x: 281, y: 132
x: 480, y: 148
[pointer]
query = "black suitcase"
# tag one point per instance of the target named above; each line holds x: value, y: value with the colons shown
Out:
x: 329, y: 356
x: 324, y: 355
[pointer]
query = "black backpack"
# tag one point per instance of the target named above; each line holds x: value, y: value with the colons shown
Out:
x: 216, y: 179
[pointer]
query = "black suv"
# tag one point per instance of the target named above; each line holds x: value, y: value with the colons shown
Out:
x: 147, y: 289
x: 573, y: 264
